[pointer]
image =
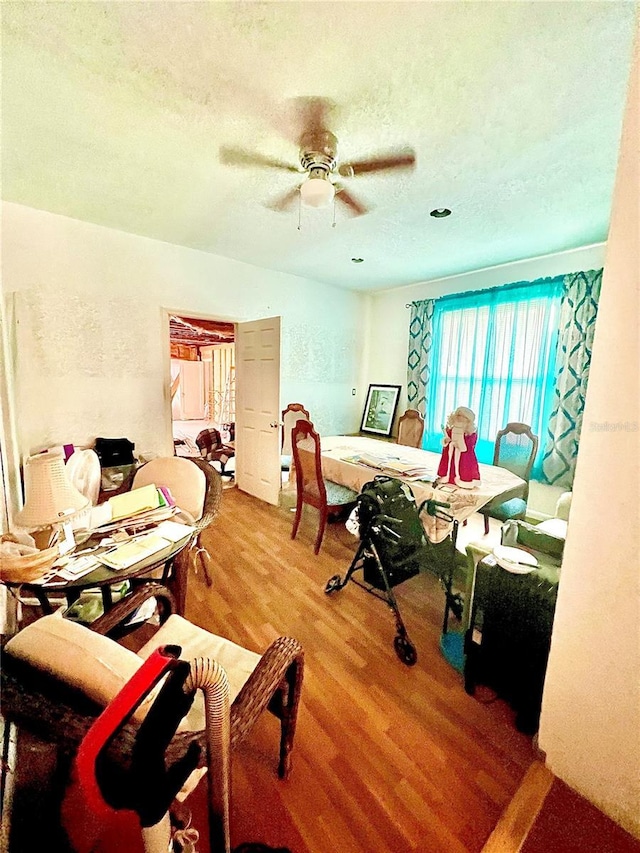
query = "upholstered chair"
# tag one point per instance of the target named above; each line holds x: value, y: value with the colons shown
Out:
x: 515, y: 449
x: 411, y: 428
x: 311, y: 488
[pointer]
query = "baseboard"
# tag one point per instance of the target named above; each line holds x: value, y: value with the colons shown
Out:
x: 539, y: 753
x: 517, y: 819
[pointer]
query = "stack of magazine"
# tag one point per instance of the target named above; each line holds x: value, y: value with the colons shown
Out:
x: 393, y: 466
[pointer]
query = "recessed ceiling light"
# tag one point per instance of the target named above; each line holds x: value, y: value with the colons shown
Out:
x: 440, y: 212
x: 357, y: 260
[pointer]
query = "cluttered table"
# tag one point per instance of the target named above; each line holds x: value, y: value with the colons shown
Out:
x: 354, y: 460
x: 130, y: 536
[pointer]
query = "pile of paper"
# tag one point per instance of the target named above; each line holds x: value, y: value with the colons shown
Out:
x: 141, y: 547
x: 393, y: 466
x: 146, y: 505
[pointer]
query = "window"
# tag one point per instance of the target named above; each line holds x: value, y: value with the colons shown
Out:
x: 494, y: 351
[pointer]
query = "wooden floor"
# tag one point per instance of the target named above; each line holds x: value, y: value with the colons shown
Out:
x: 388, y: 758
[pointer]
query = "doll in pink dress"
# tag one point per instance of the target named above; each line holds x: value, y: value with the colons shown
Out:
x: 458, y: 463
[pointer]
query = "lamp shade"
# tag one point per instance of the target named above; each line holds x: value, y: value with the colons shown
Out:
x: 317, y: 192
x: 50, y: 498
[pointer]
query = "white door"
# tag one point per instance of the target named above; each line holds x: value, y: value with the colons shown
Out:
x: 192, y: 390
x: 258, y: 408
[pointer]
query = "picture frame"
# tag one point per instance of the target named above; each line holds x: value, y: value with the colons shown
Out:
x: 380, y: 409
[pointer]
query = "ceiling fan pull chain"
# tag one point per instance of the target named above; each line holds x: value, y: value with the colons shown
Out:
x: 333, y: 224
x: 299, y: 211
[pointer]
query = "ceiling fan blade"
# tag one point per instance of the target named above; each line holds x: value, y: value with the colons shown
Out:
x: 311, y: 114
x: 356, y: 208
x: 400, y: 160
x: 238, y: 157
x: 286, y: 201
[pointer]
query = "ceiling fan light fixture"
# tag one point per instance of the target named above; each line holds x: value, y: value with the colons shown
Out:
x: 317, y: 192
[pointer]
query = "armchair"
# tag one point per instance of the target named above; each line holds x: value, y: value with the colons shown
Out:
x: 197, y: 489
x: 510, y: 622
x: 57, y: 676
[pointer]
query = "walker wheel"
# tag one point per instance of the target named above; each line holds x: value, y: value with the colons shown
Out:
x: 405, y: 650
x: 333, y: 584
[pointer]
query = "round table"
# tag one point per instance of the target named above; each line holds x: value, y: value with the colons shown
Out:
x: 103, y: 577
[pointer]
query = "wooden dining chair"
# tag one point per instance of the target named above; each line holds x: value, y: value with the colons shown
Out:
x: 293, y: 412
x: 327, y: 497
x: 515, y: 449
x: 411, y: 428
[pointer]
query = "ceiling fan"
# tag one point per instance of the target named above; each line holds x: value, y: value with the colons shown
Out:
x: 319, y: 160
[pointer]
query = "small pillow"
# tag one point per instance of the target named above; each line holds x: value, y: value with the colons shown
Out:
x: 76, y: 656
x: 555, y: 527
x: 237, y: 662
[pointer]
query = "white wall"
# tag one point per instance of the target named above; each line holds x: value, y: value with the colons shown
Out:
x: 92, y: 354
x: 590, y: 725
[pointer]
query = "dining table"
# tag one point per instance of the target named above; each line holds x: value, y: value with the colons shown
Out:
x: 353, y: 460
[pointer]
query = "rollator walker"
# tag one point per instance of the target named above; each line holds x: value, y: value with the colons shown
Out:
x: 394, y: 548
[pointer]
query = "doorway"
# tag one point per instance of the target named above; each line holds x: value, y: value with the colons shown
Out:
x: 204, y: 395
x: 203, y: 390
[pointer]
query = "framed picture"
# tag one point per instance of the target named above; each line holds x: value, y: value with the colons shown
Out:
x: 380, y: 409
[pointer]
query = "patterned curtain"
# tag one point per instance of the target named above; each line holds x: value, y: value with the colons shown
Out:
x: 578, y: 312
x: 420, y: 344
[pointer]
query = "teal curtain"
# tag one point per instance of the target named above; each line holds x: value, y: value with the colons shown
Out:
x: 420, y: 345
x: 578, y: 313
x: 494, y: 351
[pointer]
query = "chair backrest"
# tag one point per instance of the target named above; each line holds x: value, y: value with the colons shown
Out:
x: 186, y: 482
x: 294, y: 412
x: 515, y: 449
x: 411, y: 428
x: 305, y: 443
x: 207, y: 440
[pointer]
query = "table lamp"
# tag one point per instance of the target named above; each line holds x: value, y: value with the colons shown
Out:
x: 51, y: 500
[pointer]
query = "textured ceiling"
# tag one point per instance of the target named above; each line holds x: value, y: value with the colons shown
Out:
x: 115, y: 113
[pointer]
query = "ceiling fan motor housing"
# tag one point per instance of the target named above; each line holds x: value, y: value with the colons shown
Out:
x: 318, y: 151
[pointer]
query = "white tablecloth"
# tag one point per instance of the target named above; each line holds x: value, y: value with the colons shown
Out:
x: 336, y: 450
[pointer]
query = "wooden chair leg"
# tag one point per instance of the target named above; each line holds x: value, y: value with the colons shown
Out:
x: 486, y: 524
x: 323, y: 523
x: 296, y: 520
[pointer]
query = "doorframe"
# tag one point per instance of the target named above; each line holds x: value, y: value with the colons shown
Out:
x: 166, y: 313
x: 166, y: 356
